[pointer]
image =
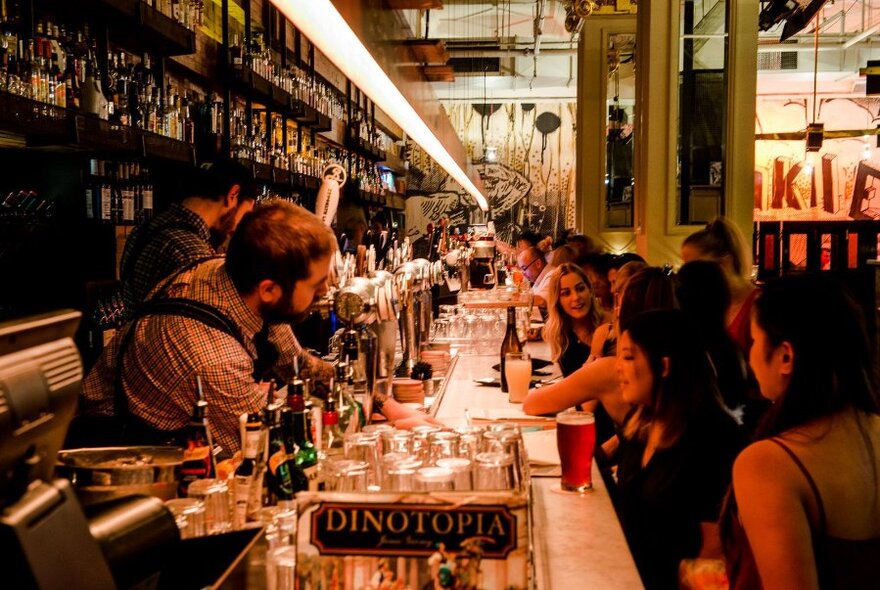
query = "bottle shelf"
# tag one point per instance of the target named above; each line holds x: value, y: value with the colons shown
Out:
x: 279, y: 177
x: 47, y: 126
x: 134, y: 25
x: 250, y: 84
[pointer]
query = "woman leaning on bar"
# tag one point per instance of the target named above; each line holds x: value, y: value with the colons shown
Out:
x: 804, y: 511
x: 677, y: 444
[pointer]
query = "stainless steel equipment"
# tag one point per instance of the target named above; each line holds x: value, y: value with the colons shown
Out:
x: 482, y: 264
x: 113, y: 472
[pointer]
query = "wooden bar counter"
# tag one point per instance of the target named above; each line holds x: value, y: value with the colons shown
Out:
x: 578, y: 540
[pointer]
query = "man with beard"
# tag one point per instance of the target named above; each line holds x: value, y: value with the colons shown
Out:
x: 217, y: 196
x: 275, y: 269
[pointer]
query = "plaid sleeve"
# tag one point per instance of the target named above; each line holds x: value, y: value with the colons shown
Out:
x: 289, y: 348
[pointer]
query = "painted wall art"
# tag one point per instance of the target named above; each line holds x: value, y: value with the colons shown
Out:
x: 525, y: 154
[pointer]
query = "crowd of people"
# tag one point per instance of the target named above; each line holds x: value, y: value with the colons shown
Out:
x: 734, y: 423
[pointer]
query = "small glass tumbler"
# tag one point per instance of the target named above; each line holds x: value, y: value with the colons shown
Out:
x: 397, y: 441
x: 461, y: 467
x: 215, y: 494
x: 351, y: 475
x: 443, y: 444
x: 362, y: 446
x: 494, y: 471
x: 470, y: 440
x: 189, y: 514
x: 399, y: 479
x: 281, y: 568
x: 434, y: 479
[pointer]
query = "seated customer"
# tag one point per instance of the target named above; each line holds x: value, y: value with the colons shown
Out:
x: 677, y: 445
x: 276, y: 268
x: 536, y: 269
x: 573, y: 315
x: 807, y: 494
x: 650, y: 288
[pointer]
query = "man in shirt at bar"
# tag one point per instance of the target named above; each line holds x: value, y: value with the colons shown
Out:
x: 217, y: 196
x: 535, y: 267
x: 276, y: 267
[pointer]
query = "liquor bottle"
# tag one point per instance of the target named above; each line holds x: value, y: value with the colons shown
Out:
x: 298, y: 435
x: 198, y: 453
x: 235, y: 54
x: 285, y: 477
x: 331, y: 435
x: 358, y: 372
x: 349, y: 409
x: 246, y: 475
x: 510, y: 343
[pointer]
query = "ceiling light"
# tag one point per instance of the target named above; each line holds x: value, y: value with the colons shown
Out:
x: 322, y: 24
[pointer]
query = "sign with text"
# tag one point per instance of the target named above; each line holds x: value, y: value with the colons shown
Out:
x: 400, y: 529
x: 455, y: 540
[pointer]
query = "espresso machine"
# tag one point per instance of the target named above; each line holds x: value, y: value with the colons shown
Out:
x: 481, y: 272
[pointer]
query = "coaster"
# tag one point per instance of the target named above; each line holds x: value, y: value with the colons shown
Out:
x: 557, y: 490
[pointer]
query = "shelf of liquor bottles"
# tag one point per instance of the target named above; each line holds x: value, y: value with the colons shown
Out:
x: 162, y: 27
x: 43, y: 125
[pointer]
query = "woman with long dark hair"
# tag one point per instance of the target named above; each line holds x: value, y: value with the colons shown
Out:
x: 677, y: 445
x: 805, y: 506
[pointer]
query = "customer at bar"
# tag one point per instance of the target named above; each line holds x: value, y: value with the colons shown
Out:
x: 677, y: 445
x: 217, y: 196
x: 704, y: 296
x: 648, y: 289
x: 805, y: 506
x: 534, y: 266
x: 721, y: 241
x: 572, y: 318
x: 276, y: 268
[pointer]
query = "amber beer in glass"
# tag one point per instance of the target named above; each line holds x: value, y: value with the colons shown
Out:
x: 576, y: 437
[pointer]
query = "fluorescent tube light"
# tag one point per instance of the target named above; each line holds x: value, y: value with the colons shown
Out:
x: 322, y: 24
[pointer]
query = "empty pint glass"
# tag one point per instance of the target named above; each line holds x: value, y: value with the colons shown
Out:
x: 576, y: 437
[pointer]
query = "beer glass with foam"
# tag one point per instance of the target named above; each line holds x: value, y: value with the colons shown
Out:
x: 576, y: 438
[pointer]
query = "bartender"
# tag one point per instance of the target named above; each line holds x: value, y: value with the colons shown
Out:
x: 276, y: 267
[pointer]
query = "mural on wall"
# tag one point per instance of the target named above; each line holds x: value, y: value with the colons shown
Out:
x: 525, y: 154
x: 841, y: 182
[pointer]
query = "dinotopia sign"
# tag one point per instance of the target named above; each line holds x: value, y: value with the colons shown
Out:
x: 339, y: 528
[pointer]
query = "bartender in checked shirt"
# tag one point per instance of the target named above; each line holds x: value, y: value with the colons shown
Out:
x: 276, y: 267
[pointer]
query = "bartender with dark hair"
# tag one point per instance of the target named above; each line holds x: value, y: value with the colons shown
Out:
x: 216, y: 197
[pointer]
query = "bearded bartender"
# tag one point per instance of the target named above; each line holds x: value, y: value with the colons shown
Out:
x: 276, y: 267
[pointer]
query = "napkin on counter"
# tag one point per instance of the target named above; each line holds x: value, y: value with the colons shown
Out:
x: 541, y: 447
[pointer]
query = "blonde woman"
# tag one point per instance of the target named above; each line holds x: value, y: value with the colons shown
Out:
x: 573, y: 315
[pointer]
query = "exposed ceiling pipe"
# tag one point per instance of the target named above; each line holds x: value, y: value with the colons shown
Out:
x: 776, y: 47
x: 539, y: 24
x: 863, y: 35
x: 526, y: 52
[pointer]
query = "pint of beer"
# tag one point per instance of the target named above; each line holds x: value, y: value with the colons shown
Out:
x: 576, y: 437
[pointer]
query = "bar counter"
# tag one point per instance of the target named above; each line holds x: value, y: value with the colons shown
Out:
x: 578, y: 540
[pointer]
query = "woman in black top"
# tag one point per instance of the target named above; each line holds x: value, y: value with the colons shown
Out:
x: 677, y: 445
x: 574, y: 313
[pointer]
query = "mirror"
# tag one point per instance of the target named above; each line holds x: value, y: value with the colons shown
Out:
x: 702, y: 110
x: 620, y: 99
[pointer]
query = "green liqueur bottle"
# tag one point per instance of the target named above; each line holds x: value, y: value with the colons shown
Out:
x: 298, y: 436
x: 285, y: 478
